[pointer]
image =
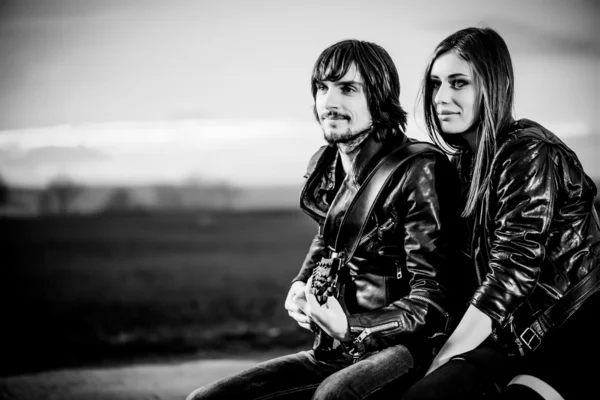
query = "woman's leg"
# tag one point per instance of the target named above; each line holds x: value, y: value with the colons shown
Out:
x: 561, y: 361
x: 477, y: 374
x: 294, y: 376
x: 521, y: 392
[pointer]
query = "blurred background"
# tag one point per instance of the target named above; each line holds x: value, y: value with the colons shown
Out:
x: 152, y: 152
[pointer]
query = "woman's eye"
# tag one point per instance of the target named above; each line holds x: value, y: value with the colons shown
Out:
x: 436, y: 84
x: 459, y: 84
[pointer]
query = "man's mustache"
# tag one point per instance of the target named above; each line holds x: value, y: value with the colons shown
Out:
x: 334, y: 114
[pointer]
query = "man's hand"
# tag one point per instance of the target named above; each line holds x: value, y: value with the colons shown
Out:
x: 295, y: 302
x: 329, y: 316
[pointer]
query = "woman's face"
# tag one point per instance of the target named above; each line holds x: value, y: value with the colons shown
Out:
x: 454, y: 94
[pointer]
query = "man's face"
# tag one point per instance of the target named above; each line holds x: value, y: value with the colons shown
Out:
x: 342, y: 108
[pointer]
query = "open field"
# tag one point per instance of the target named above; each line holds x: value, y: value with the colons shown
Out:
x: 105, y: 290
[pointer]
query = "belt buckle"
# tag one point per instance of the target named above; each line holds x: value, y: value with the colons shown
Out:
x: 532, y: 341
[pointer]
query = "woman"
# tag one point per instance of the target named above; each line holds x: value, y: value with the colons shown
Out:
x: 535, y: 237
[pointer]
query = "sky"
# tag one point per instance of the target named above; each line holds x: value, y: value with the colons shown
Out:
x: 111, y: 91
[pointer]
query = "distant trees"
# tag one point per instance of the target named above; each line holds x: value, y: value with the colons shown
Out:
x: 58, y: 197
x: 168, y: 197
x: 120, y: 200
x: 4, y: 193
x: 63, y: 196
x: 194, y: 194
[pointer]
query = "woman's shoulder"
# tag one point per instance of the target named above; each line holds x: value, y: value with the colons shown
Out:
x: 525, y: 134
x: 527, y: 139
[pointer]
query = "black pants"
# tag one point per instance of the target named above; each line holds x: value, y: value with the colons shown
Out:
x: 566, y: 360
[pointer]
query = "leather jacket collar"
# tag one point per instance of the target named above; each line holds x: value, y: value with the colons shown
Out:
x: 368, y: 156
x: 325, y: 181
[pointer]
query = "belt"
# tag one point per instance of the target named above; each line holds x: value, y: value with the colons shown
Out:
x: 558, y: 313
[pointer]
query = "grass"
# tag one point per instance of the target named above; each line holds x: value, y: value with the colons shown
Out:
x: 102, y: 289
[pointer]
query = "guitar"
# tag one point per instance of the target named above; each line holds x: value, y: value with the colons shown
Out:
x: 325, y: 283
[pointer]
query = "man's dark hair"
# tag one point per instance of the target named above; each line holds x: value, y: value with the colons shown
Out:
x: 381, y: 82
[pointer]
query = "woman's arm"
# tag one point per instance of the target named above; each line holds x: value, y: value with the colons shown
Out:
x: 472, y: 330
x: 522, y: 202
x: 521, y: 207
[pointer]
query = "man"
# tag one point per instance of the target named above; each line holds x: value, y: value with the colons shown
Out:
x: 396, y: 285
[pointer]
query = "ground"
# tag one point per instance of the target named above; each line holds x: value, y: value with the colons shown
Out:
x: 140, y: 382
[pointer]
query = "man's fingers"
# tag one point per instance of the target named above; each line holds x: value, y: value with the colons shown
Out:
x: 291, y: 306
x: 299, y: 297
x: 305, y: 326
x: 300, y: 318
x: 307, y: 287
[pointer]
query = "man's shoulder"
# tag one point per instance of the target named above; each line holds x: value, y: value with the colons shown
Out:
x: 415, y: 151
x: 414, y: 146
x: 416, y: 162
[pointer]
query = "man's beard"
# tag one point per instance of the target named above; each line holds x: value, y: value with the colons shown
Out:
x: 348, y: 137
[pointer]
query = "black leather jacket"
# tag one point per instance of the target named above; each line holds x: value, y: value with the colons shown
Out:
x: 400, y: 276
x: 536, y: 234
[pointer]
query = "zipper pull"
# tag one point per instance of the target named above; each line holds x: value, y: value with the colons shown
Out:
x: 387, y: 224
x: 363, y: 335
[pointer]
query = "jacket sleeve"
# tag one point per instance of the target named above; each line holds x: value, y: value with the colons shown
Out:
x: 317, y: 248
x: 316, y: 251
x: 427, y: 197
x: 521, y: 206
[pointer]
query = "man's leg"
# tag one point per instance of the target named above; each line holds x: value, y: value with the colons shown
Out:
x: 366, y: 377
x: 295, y: 376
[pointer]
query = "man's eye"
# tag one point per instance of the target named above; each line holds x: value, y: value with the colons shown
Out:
x: 348, y: 89
x: 321, y: 87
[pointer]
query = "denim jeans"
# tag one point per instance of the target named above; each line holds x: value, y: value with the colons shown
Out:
x: 302, y: 376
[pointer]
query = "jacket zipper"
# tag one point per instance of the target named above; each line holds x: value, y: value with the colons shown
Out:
x: 368, y: 236
x: 551, y: 291
x: 395, y: 324
x: 375, y: 329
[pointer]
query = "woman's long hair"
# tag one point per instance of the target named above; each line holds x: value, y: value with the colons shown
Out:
x: 488, y: 56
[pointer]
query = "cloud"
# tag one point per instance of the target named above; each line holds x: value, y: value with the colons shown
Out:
x: 238, y: 151
x: 53, y: 155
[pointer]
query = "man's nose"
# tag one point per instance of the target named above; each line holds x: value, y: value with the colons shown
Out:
x: 332, y: 100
